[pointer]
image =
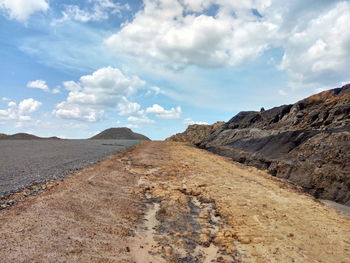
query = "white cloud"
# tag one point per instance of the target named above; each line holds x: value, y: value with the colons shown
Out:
x: 142, y: 119
x: 12, y: 104
x: 173, y: 113
x: 65, y: 110
x: 106, y: 88
x: 168, y: 31
x: 96, y: 11
x: 5, y: 99
x: 20, y: 112
x: 155, y: 109
x: 319, y: 53
x: 41, y: 84
x: 21, y: 10
x: 24, y: 118
x: 38, y: 84
x: 28, y: 106
x: 8, y: 114
x: 221, y: 33
x: 128, y: 108
x: 71, y: 86
x: 189, y: 121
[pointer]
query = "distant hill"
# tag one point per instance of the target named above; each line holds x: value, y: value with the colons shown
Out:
x: 24, y: 136
x: 2, y: 134
x: 119, y: 134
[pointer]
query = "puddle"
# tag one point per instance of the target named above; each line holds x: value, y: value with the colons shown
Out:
x: 180, y: 231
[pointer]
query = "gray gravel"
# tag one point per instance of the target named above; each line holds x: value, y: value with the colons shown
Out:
x: 27, y: 162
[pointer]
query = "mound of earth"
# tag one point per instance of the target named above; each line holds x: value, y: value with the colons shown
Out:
x: 20, y: 136
x: 23, y: 136
x: 195, y: 133
x: 307, y: 142
x: 2, y: 134
x: 119, y: 134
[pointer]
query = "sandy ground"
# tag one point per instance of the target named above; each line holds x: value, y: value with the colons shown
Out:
x: 168, y: 202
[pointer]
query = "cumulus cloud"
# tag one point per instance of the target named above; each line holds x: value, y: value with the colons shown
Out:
x: 173, y: 113
x: 41, y: 84
x: 189, y: 121
x: 220, y: 33
x: 106, y: 88
x: 128, y: 108
x: 320, y: 52
x: 141, y: 119
x: 96, y: 10
x: 10, y: 113
x: 20, y: 111
x: 28, y: 106
x: 65, y: 110
x: 21, y: 10
x: 38, y: 84
x: 171, y: 30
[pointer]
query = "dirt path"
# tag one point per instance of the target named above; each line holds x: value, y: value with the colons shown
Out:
x: 86, y: 218
x: 167, y: 202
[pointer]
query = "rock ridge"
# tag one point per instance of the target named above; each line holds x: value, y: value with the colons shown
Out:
x: 307, y: 142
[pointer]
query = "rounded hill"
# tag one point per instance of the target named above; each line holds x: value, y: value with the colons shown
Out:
x: 119, y: 134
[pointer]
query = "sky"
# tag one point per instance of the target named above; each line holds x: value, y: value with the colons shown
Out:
x: 72, y: 68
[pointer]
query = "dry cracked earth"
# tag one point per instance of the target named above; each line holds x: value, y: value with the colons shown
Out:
x: 169, y: 202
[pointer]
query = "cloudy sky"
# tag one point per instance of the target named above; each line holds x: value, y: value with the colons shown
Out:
x: 72, y: 68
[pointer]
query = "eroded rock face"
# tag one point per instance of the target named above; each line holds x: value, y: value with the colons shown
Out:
x: 307, y: 142
x: 195, y: 133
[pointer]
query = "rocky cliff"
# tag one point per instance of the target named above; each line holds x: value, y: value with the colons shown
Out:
x: 195, y: 133
x: 307, y: 142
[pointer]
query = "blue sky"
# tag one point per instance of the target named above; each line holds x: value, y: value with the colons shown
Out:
x: 72, y: 68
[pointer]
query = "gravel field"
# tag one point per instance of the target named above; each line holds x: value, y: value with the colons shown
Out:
x: 26, y: 162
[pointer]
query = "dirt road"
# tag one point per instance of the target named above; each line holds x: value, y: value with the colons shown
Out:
x: 168, y: 202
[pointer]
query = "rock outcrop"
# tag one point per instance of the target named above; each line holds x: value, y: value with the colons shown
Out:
x: 195, y: 133
x: 307, y: 142
x: 119, y: 134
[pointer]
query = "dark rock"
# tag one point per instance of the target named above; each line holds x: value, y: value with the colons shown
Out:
x: 307, y: 142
